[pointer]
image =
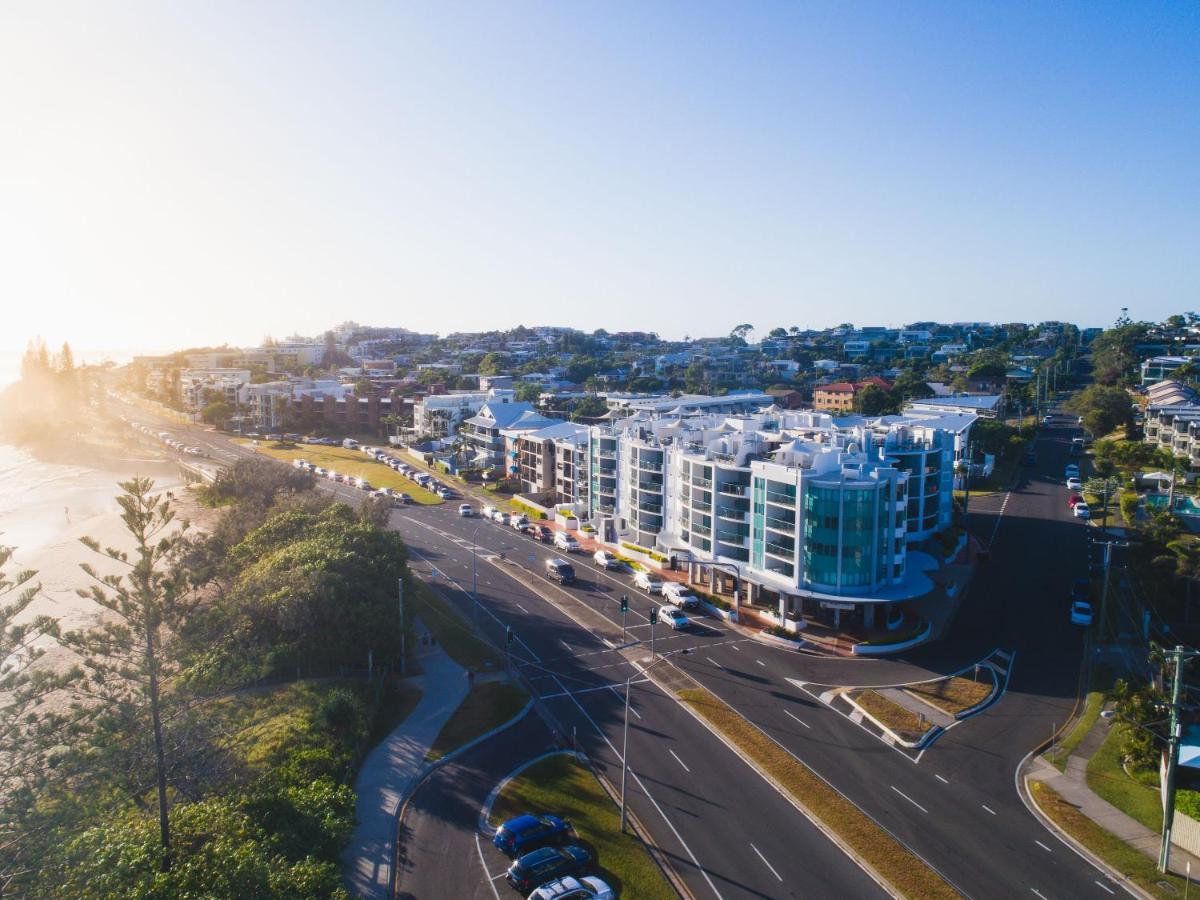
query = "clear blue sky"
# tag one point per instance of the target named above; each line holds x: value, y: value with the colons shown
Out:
x: 177, y: 173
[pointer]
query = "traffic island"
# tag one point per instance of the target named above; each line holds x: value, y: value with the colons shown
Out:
x: 908, y: 726
x: 957, y: 695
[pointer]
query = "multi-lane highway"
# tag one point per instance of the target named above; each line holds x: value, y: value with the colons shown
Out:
x: 729, y: 833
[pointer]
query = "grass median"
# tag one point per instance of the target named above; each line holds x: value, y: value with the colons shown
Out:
x: 954, y: 695
x: 453, y: 632
x: 348, y: 462
x: 1091, y: 712
x: 488, y: 705
x: 895, y: 864
x: 563, y: 786
x: 903, y: 722
x: 1135, y: 865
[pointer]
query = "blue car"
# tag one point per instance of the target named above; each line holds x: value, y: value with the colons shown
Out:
x: 527, y: 832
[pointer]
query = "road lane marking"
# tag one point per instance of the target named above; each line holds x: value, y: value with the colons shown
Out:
x: 761, y: 663
x: 765, y: 863
x: 988, y: 808
x: 1039, y: 893
x: 1106, y: 887
x: 715, y: 663
x: 940, y: 778
x: 570, y: 649
x: 801, y: 721
x: 736, y: 647
x: 520, y: 607
x: 1043, y: 846
x: 483, y: 863
x: 910, y: 799
x: 678, y: 760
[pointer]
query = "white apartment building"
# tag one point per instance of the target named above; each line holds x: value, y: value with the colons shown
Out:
x: 439, y: 415
x: 195, y: 385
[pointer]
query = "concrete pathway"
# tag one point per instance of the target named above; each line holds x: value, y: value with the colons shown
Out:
x: 1072, y: 786
x: 903, y: 698
x: 392, y: 768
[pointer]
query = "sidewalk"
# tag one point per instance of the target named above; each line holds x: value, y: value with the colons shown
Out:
x: 1072, y: 786
x: 390, y: 770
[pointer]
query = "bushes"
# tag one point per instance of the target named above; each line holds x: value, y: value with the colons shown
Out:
x: 1129, y: 507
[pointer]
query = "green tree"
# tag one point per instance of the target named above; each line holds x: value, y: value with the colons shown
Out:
x: 216, y: 413
x: 528, y: 392
x: 1114, y: 351
x: 1103, y: 408
x: 873, y: 400
x: 492, y: 364
x: 739, y: 332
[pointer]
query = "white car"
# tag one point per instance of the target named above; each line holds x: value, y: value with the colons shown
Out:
x: 677, y: 595
x: 673, y: 616
x: 517, y: 522
x: 320, y: 471
x: 1074, y: 484
x: 466, y: 510
x: 606, y: 559
x: 487, y: 512
x: 586, y: 887
x: 1081, y: 613
x: 500, y: 517
x: 566, y: 542
x: 1081, y: 511
x: 651, y: 584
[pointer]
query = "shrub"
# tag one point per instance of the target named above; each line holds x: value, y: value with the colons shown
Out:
x: 1129, y: 506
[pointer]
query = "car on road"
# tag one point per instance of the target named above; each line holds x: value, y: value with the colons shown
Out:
x: 566, y: 542
x: 527, y: 832
x: 402, y: 497
x: 546, y: 864
x: 673, y: 616
x: 320, y: 471
x: 466, y: 510
x: 336, y: 477
x: 678, y: 595
x: 517, y: 522
x: 1081, y: 511
x: 589, y: 887
x: 444, y: 492
x: 1048, y: 420
x: 362, y: 484
x: 1074, y: 484
x: 499, y: 517
x: 651, y: 584
x: 1073, y: 499
x: 1081, y: 613
x: 560, y: 570
x: 487, y: 511
x: 541, y: 533
x: 606, y: 559
x: 1071, y: 471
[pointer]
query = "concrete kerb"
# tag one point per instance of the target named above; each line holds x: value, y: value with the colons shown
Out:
x: 924, y: 740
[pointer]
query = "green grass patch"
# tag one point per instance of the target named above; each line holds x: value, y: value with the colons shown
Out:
x: 904, y: 722
x: 1091, y: 712
x: 488, y: 705
x: 563, y: 786
x: 1106, y: 776
x: 1129, y: 861
x: 349, y: 462
x: 453, y: 632
x: 907, y: 873
x: 955, y: 694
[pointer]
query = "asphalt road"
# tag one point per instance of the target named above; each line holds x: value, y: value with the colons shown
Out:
x: 728, y: 832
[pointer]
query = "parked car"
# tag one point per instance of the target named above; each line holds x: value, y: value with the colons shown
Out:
x: 517, y: 522
x: 1074, y: 484
x: 1081, y: 589
x: 673, y: 616
x: 677, y: 595
x: 362, y: 484
x: 1071, y: 471
x: 541, y: 533
x: 500, y: 518
x: 1048, y: 420
x: 444, y: 493
x: 487, y: 511
x: 589, y: 887
x: 651, y: 584
x: 546, y: 864
x: 1081, y: 511
x: 566, y: 542
x: 320, y: 471
x: 1073, y: 499
x: 527, y: 832
x: 402, y: 497
x: 466, y: 510
x: 560, y: 570
x: 1081, y: 613
x: 606, y: 559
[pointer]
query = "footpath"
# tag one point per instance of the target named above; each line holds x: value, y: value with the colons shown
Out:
x: 392, y: 769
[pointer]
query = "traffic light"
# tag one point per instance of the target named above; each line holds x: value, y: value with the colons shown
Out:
x: 653, y: 615
x: 624, y: 603
x: 508, y: 634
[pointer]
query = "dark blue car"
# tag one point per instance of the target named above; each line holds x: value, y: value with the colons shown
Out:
x: 528, y: 831
x: 535, y: 868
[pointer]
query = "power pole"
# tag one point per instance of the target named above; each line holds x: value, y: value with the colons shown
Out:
x: 1179, y: 656
x: 1104, y: 591
x: 403, y: 654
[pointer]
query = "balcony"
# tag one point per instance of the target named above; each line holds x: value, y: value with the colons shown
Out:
x: 783, y: 499
x: 733, y: 490
x: 650, y: 484
x: 697, y: 481
x: 733, y: 536
x: 701, y: 529
x: 701, y: 505
x: 781, y: 524
x: 732, y: 513
x: 780, y: 550
x: 653, y: 508
x: 607, y: 454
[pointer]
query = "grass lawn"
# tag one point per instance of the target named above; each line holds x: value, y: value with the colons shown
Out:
x: 908, y: 874
x: 487, y: 706
x: 453, y: 632
x: 904, y: 722
x: 953, y: 695
x: 1091, y: 712
x: 1107, y: 778
x: 1129, y: 861
x: 563, y: 786
x: 348, y: 462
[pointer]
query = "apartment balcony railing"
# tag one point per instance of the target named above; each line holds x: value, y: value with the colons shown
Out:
x: 785, y: 499
x: 607, y: 454
x: 697, y: 481
x: 650, y: 484
x: 732, y: 513
x: 705, y: 530
x: 780, y: 524
x: 734, y: 490
x: 724, y: 457
x: 652, y: 508
x: 732, y: 536
x: 701, y: 505
x: 780, y: 550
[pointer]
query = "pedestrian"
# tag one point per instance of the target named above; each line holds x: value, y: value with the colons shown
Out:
x: 67, y: 512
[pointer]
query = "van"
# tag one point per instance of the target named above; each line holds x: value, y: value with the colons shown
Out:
x: 560, y: 570
x: 564, y: 541
x: 349, y: 443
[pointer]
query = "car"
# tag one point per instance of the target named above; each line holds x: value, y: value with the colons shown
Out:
x: 320, y: 471
x: 362, y: 484
x: 500, y: 517
x: 606, y: 559
x: 677, y: 595
x: 517, y: 522
x: 402, y: 497
x: 1081, y: 511
x: 466, y: 510
x: 649, y: 583
x: 444, y: 493
x: 336, y: 476
x: 673, y: 616
x: 566, y: 542
x: 545, y: 864
x: 588, y: 887
x: 541, y: 533
x: 1081, y: 589
x: 1071, y: 471
x: 1081, y: 613
x: 1074, y: 484
x: 560, y: 570
x: 1073, y: 499
x: 1048, y: 420
x: 527, y: 832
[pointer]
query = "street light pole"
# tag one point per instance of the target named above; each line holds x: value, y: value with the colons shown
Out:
x: 474, y: 582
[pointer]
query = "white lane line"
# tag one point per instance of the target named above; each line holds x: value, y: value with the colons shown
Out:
x: 910, y: 799
x: 520, y: 607
x: 1039, y: 893
x: 765, y: 863
x: 482, y: 862
x: 1106, y: 887
x: 570, y: 649
x: 761, y: 663
x: 736, y: 647
x: 988, y: 808
x: 801, y: 721
x: 678, y: 760
x: 1043, y: 846
x: 715, y: 663
x: 940, y: 778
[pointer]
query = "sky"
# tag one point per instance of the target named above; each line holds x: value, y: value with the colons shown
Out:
x: 178, y: 173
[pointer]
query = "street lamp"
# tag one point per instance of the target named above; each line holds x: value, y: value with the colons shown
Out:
x: 474, y: 582
x: 684, y: 651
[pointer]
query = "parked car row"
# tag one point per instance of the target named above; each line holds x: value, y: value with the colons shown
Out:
x: 546, y: 861
x: 165, y: 438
